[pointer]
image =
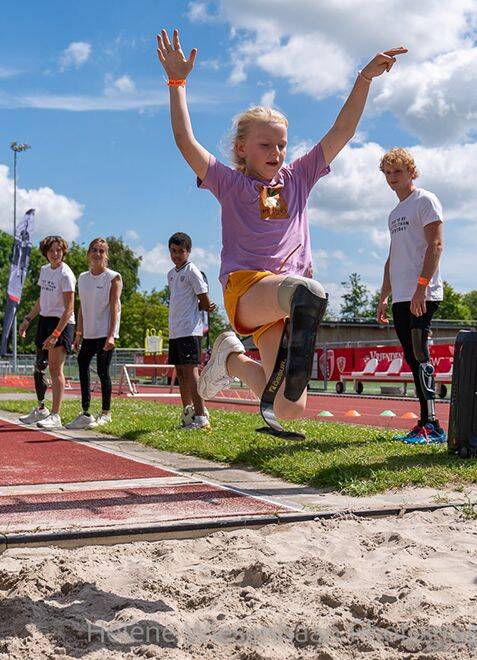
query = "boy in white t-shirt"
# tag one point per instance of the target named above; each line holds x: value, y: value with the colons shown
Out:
x: 188, y: 297
x: 412, y: 276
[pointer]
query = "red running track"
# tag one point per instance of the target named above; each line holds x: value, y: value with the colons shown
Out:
x: 28, y: 456
x: 134, y: 506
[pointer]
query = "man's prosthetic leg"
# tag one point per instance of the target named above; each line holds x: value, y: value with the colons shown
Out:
x: 304, y: 301
x: 426, y: 370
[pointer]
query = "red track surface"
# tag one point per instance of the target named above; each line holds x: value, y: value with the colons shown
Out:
x: 134, y: 506
x: 34, y: 457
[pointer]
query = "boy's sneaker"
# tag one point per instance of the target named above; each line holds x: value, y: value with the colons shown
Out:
x: 214, y: 376
x: 200, y: 422
x: 36, y: 415
x: 188, y: 414
x: 431, y: 434
x: 404, y: 437
x: 53, y: 421
x: 101, y: 420
x: 82, y: 422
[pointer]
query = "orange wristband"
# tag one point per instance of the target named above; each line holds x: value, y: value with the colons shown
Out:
x: 423, y: 281
x: 56, y: 333
x: 177, y: 83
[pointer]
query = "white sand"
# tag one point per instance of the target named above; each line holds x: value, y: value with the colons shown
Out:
x: 345, y: 588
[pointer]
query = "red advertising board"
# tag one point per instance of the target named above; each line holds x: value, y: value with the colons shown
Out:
x: 339, y: 361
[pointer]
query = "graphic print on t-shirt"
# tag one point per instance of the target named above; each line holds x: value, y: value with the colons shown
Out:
x: 398, y: 224
x: 273, y: 205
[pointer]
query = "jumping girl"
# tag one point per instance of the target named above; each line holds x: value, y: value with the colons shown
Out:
x: 99, y: 314
x: 266, y: 264
x: 54, y: 335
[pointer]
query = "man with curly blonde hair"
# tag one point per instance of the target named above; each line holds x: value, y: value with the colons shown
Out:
x: 411, y: 275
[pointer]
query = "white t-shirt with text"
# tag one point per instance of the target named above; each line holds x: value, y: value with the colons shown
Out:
x: 408, y: 245
x: 53, y: 283
x: 185, y: 284
x: 94, y: 292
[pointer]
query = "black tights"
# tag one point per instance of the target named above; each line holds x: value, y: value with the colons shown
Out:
x: 90, y: 348
x: 404, y: 322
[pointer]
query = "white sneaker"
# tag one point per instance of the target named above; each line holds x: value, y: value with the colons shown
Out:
x: 214, y: 376
x: 82, y: 422
x: 50, y: 422
x: 188, y: 415
x: 200, y: 422
x: 34, y: 416
x: 101, y: 420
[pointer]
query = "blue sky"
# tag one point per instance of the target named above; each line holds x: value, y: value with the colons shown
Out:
x: 80, y: 82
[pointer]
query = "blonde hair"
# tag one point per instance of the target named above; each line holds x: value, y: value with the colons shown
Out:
x: 103, y: 242
x: 241, y: 126
x: 402, y: 158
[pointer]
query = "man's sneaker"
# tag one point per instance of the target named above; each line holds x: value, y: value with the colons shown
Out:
x: 404, y: 437
x: 82, y: 422
x: 431, y: 434
x: 201, y: 422
x: 101, y: 420
x: 53, y: 421
x: 214, y: 376
x: 36, y: 415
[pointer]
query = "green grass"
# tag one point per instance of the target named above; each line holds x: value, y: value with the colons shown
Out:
x: 356, y: 460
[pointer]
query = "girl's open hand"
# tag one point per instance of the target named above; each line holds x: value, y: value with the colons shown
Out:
x: 382, y: 62
x: 172, y: 58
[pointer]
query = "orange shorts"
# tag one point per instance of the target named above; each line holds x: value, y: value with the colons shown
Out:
x: 238, y: 283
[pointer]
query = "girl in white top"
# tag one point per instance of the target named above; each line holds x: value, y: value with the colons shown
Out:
x: 54, y: 336
x: 99, y: 290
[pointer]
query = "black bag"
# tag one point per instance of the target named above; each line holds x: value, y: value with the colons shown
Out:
x: 462, y: 437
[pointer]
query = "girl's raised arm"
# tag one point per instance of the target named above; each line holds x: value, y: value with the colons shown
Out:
x: 177, y: 68
x: 345, y: 125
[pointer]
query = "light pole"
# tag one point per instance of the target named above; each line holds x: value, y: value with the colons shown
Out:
x: 16, y: 148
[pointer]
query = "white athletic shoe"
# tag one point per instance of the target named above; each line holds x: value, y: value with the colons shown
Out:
x: 188, y: 414
x: 201, y: 422
x: 214, y: 376
x: 34, y: 416
x: 101, y: 420
x: 50, y: 422
x: 82, y: 422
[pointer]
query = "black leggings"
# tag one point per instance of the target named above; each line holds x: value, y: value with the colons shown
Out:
x: 90, y: 348
x: 404, y: 322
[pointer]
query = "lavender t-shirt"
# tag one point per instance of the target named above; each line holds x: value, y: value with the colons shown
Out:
x: 251, y: 242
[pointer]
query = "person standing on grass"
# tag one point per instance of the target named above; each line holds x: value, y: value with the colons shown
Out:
x: 188, y: 297
x: 411, y: 275
x: 97, y: 329
x: 54, y: 334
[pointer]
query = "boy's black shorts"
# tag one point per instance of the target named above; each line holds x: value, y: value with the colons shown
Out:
x: 185, y: 350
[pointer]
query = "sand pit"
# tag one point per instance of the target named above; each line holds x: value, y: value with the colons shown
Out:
x: 344, y: 588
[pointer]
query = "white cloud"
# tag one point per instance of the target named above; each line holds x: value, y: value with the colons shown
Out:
x: 123, y: 85
x: 75, y: 55
x: 355, y: 196
x: 268, y: 98
x: 435, y: 100
x: 198, y: 12
x: 132, y: 235
x: 6, y: 72
x: 55, y: 213
x: 318, y: 47
x: 157, y: 259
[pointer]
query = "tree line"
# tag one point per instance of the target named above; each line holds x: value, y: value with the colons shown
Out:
x: 359, y: 302
x: 141, y: 310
